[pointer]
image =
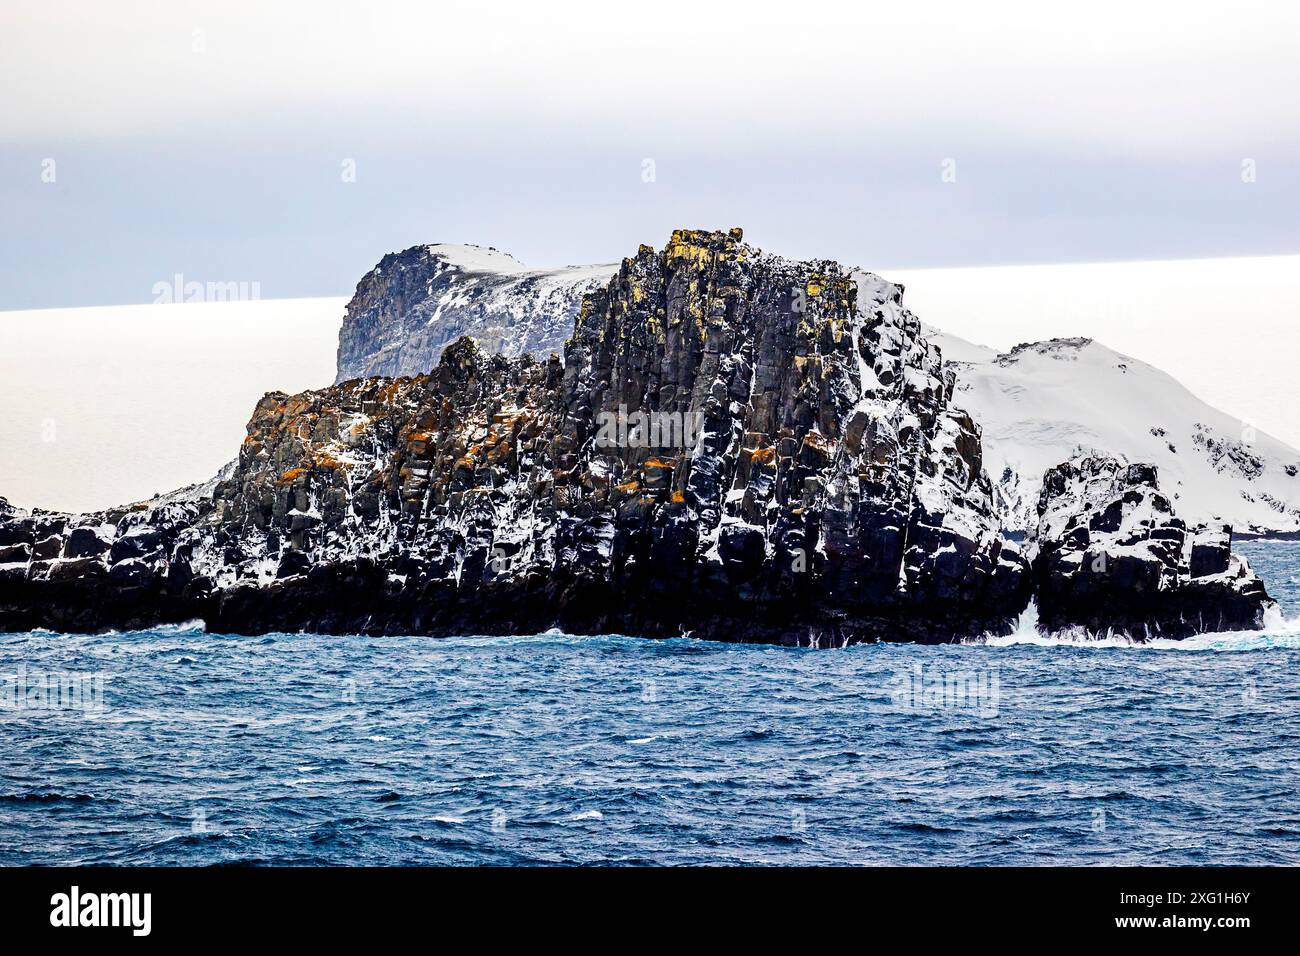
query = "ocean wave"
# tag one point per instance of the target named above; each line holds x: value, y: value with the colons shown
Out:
x: 1278, y: 632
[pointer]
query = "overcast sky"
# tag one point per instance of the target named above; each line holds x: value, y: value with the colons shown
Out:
x: 214, y: 140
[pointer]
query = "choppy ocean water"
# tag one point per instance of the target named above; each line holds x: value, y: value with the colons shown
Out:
x: 179, y: 747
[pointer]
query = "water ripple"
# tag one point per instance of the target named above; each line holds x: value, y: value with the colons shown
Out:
x: 299, y: 749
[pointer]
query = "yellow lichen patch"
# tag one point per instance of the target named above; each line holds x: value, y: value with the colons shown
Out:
x: 807, y: 365
x: 763, y: 456
x: 685, y: 244
x: 678, y: 498
x: 655, y: 328
x: 814, y: 286
x: 290, y: 476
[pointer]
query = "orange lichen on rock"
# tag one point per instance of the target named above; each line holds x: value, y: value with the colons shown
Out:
x: 418, y: 442
x: 290, y: 476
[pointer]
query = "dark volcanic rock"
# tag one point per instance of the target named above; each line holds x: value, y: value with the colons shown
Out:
x: 735, y: 446
x: 1110, y: 554
x: 415, y: 303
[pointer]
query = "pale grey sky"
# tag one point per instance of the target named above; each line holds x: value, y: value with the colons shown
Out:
x: 211, y: 140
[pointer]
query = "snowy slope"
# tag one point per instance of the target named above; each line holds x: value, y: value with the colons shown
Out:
x: 1038, y: 402
x: 118, y: 403
x: 1225, y: 328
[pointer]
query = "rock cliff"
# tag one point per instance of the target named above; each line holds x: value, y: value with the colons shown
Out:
x: 733, y: 445
x: 415, y: 303
x: 1109, y: 553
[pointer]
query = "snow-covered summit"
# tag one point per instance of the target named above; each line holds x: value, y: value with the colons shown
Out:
x: 1039, y: 402
x: 415, y: 303
x: 469, y: 257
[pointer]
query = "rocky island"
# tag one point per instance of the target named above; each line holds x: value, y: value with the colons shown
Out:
x: 732, y: 445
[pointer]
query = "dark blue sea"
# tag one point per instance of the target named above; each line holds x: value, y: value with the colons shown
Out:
x: 180, y: 747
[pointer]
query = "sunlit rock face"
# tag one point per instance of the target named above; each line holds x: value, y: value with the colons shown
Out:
x: 734, y: 445
x: 1110, y: 554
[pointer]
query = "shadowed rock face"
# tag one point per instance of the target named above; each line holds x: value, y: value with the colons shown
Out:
x: 1111, y: 554
x: 736, y: 446
x: 415, y: 303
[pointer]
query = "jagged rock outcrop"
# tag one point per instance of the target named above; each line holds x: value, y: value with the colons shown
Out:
x: 415, y: 303
x: 735, y: 446
x: 124, y: 567
x: 1109, y: 553
x: 1034, y: 404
